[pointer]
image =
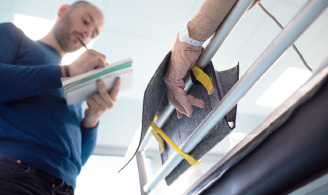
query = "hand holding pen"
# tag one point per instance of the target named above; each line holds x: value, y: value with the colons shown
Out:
x: 84, y: 45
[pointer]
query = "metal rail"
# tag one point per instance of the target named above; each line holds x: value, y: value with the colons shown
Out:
x: 279, y: 45
x: 221, y: 34
x: 140, y: 157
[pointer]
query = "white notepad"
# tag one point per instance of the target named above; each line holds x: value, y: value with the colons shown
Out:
x: 77, y: 89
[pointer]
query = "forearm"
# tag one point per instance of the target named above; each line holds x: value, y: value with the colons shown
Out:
x: 90, y: 122
x: 18, y: 81
x: 89, y: 138
x: 208, y: 18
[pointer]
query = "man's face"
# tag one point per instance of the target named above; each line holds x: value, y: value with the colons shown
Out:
x: 84, y: 22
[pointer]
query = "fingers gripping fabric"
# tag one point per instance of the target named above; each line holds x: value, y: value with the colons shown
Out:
x: 156, y: 92
x: 180, y: 130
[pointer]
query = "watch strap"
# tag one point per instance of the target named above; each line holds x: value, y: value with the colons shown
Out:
x: 66, y: 70
x: 184, y: 37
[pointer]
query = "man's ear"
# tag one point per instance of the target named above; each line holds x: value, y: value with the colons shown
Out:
x: 62, y: 10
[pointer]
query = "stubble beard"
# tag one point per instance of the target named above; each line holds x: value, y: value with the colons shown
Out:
x: 62, y: 35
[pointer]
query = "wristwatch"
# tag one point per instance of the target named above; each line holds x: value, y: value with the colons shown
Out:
x: 184, y: 37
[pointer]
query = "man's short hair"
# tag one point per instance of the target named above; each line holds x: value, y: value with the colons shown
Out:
x: 78, y: 4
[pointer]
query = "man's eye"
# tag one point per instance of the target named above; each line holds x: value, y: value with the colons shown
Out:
x: 85, y: 22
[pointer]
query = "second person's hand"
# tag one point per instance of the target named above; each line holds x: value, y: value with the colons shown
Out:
x: 183, y: 58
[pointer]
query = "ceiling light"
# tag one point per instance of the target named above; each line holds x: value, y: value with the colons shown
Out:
x: 33, y: 27
x: 287, y: 83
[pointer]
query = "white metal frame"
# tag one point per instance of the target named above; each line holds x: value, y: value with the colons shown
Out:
x: 279, y: 45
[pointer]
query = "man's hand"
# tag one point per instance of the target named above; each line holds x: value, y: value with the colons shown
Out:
x: 100, y: 103
x: 89, y: 60
x: 183, y: 58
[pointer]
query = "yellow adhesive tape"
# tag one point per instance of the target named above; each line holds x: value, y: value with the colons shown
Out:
x: 203, y: 78
x: 184, y: 155
x: 159, y: 140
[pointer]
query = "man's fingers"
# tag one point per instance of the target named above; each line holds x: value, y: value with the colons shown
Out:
x: 196, y: 102
x: 179, y: 114
x: 101, y: 63
x: 172, y: 100
x: 177, y: 106
x: 99, y: 100
x: 116, y: 88
x: 178, y: 98
x: 181, y: 97
x: 104, y: 94
x: 92, y: 103
x: 101, y: 58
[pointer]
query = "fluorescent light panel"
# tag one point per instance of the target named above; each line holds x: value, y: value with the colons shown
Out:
x: 287, y: 83
x: 36, y: 28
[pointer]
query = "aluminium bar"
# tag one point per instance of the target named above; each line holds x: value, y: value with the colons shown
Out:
x: 140, y: 157
x: 221, y: 34
x: 237, y: 12
x: 279, y: 45
x: 169, y: 109
x: 323, y: 65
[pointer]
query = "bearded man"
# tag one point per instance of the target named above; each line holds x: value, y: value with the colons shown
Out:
x: 43, y: 142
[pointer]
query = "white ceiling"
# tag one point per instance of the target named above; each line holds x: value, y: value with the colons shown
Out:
x: 145, y: 30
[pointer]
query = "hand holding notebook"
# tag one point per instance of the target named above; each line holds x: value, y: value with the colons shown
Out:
x: 77, y: 89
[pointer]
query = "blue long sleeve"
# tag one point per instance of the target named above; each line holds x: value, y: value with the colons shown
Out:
x: 89, y: 137
x: 18, y: 81
x: 36, y: 125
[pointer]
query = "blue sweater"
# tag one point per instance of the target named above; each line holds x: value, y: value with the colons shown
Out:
x: 36, y: 125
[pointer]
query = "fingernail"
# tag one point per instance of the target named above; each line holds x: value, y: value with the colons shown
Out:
x: 100, y: 82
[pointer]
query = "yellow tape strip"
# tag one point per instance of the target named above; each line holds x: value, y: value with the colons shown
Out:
x: 184, y: 155
x: 203, y: 78
x: 159, y: 140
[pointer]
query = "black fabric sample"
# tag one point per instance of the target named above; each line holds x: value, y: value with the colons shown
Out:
x: 289, y: 147
x: 180, y: 130
x: 294, y: 152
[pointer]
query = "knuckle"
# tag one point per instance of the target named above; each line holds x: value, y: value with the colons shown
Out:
x: 96, y: 96
x: 110, y: 104
x: 90, y: 102
x: 102, y: 109
x: 102, y: 90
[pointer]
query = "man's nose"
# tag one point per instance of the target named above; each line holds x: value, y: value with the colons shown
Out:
x: 87, y: 32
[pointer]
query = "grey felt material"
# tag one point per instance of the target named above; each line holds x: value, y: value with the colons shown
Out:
x: 180, y: 130
x: 228, y: 78
x: 153, y: 95
x: 155, y: 99
x: 156, y: 90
